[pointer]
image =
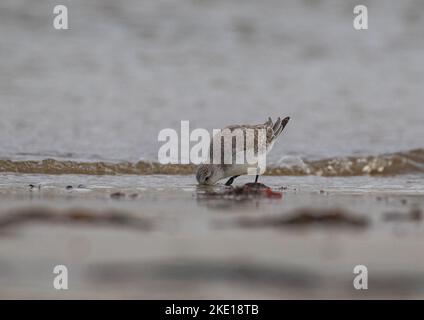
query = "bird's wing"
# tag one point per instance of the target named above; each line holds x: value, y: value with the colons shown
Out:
x: 277, y: 128
x: 229, y: 134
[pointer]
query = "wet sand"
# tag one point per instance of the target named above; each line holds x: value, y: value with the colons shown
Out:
x: 125, y: 239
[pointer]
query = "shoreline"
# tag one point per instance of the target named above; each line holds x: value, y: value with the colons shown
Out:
x: 403, y: 162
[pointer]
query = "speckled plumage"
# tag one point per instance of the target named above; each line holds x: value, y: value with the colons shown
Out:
x: 218, y: 169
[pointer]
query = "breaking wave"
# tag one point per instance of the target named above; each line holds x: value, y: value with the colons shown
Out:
x: 386, y: 164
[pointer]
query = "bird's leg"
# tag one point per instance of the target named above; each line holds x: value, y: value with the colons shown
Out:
x: 256, y: 179
x: 231, y: 180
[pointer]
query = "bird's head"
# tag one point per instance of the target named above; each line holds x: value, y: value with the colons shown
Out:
x: 208, y: 174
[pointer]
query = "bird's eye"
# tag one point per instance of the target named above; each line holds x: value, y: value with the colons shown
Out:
x: 207, y: 178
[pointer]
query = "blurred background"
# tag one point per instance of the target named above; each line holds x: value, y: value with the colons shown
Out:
x: 103, y: 89
x: 101, y: 92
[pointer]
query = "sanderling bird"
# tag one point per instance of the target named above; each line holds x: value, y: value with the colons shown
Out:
x: 211, y: 173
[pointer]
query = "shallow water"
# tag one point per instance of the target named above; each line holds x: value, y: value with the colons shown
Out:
x: 399, y: 184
